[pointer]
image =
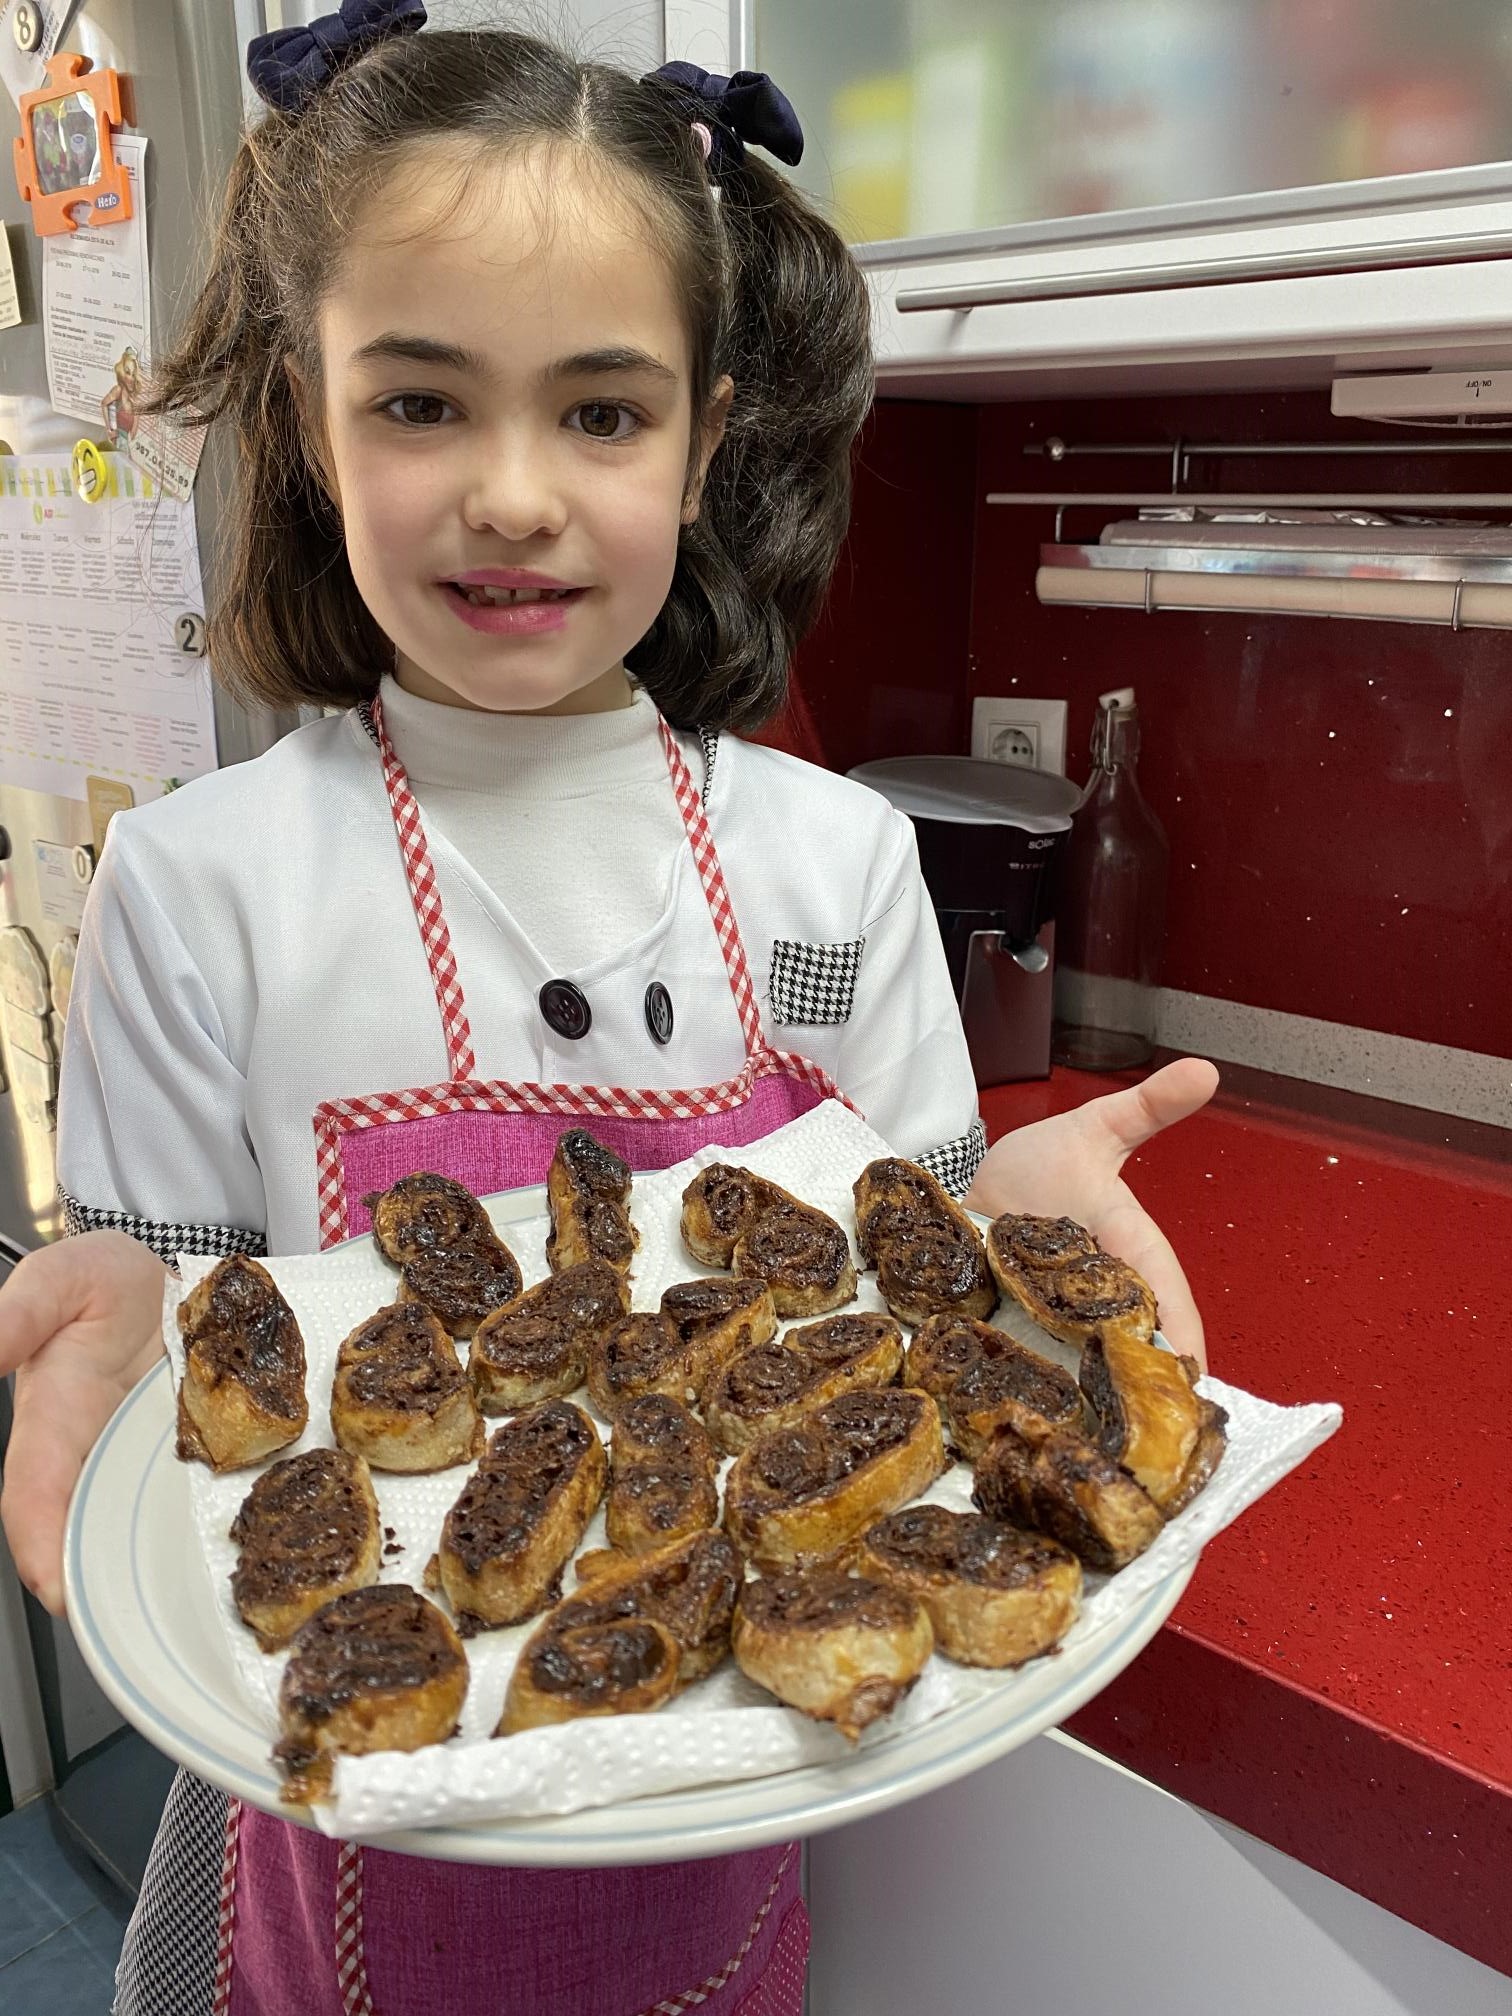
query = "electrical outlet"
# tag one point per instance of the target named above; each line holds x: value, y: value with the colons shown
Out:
x: 1031, y: 733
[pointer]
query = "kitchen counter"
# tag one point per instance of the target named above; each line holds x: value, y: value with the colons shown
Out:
x: 1338, y: 1678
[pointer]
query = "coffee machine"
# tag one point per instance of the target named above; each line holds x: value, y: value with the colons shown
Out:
x: 991, y: 837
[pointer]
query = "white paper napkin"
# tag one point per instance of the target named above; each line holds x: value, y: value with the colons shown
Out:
x: 724, y: 1728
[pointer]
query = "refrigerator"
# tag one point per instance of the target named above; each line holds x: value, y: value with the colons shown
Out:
x: 182, y: 66
x: 181, y: 63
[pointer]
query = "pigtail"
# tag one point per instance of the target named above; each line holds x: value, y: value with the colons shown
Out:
x: 753, y: 569
x: 272, y: 638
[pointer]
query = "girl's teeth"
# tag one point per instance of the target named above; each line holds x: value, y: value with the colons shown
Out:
x: 482, y: 598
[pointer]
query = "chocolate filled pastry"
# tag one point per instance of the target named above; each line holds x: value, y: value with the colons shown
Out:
x: 686, y: 1588
x: 1150, y: 1418
x: 773, y: 1383
x: 841, y: 1648
x: 719, y: 1205
x: 928, y: 1255
x: 376, y: 1669
x: 243, y: 1392
x: 400, y: 1397
x: 1055, y: 1270
x: 449, y: 1257
x: 663, y: 1471
x: 1066, y: 1487
x: 536, y: 1347
x: 308, y: 1531
x: 981, y: 1377
x: 588, y: 1190
x: 731, y: 1218
x: 996, y: 1595
x: 801, y: 1493
x: 520, y: 1516
x: 675, y: 1350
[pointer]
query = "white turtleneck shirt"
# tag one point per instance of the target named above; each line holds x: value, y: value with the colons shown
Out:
x: 569, y: 819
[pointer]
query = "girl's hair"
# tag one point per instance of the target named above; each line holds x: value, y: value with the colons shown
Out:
x: 769, y: 293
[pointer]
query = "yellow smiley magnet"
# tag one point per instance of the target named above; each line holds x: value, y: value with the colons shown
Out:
x: 90, y: 475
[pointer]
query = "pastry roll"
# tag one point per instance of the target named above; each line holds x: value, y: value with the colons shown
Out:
x: 1151, y: 1419
x: 928, y: 1255
x: 674, y: 1350
x: 996, y: 1595
x: 376, y: 1669
x: 400, y: 1397
x: 1074, y: 1293
x: 243, y: 1392
x: 773, y: 1383
x: 841, y: 1648
x: 449, y: 1257
x: 536, y: 1347
x: 581, y: 1652
x: 981, y: 1377
x: 588, y: 1190
x: 731, y: 1218
x: 801, y: 1493
x: 520, y: 1516
x: 308, y: 1531
x: 1066, y: 1487
x: 663, y: 1468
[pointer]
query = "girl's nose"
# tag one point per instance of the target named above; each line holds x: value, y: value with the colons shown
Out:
x: 513, y: 490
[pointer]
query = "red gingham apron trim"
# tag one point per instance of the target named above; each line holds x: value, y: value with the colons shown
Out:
x: 690, y: 1998
x: 351, y: 1962
x: 718, y: 897
x: 226, y: 1923
x: 462, y: 1093
x: 427, y: 901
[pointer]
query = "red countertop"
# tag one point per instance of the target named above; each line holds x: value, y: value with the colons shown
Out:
x: 1338, y: 1677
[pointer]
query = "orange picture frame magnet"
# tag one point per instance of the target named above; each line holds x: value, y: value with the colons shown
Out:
x: 65, y: 154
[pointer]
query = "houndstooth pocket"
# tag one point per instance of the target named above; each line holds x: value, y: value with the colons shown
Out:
x: 813, y: 984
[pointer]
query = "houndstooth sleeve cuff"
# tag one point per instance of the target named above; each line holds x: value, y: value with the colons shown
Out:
x: 167, y: 1240
x: 954, y: 1163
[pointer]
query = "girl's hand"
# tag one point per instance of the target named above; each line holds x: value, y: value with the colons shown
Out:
x: 1067, y: 1166
x: 80, y: 1323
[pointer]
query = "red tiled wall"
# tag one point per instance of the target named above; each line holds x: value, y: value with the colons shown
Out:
x: 1338, y: 795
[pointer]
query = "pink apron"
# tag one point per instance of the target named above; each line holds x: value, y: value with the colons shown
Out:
x: 331, y: 1929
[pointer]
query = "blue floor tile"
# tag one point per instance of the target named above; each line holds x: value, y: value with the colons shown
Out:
x: 61, y: 1977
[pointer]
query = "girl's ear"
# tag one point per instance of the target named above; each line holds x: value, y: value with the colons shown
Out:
x: 716, y: 414
x: 312, y: 431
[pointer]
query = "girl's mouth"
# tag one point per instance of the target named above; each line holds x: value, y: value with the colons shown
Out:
x: 511, y: 612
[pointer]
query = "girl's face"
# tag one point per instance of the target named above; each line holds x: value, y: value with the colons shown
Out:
x: 506, y: 431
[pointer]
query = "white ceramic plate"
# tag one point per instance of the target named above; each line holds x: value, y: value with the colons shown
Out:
x: 142, y: 1610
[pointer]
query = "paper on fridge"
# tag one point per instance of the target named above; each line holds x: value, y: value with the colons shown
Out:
x: 97, y: 327
x: 10, y: 300
x: 94, y: 679
x: 726, y: 1727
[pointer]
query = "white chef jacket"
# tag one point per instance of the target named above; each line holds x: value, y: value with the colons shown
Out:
x: 249, y: 950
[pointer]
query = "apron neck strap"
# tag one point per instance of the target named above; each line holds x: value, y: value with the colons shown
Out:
x: 426, y: 898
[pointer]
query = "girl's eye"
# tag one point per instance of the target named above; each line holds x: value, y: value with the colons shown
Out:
x: 418, y: 409
x: 601, y: 420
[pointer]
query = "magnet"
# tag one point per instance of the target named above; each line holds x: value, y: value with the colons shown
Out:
x: 564, y: 1006
x: 84, y: 863
x: 659, y: 1013
x: 91, y: 472
x: 65, y: 160
x: 60, y: 971
x: 26, y: 27
x: 189, y: 634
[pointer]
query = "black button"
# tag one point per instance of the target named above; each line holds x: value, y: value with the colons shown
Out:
x: 659, y: 1012
x: 565, y: 1007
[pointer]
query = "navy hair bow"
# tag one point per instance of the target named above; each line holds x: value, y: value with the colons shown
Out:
x: 745, y: 107
x: 288, y: 66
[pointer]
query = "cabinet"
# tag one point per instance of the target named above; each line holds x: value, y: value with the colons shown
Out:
x: 1082, y: 193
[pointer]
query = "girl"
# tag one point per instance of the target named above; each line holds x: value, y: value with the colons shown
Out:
x: 544, y: 391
